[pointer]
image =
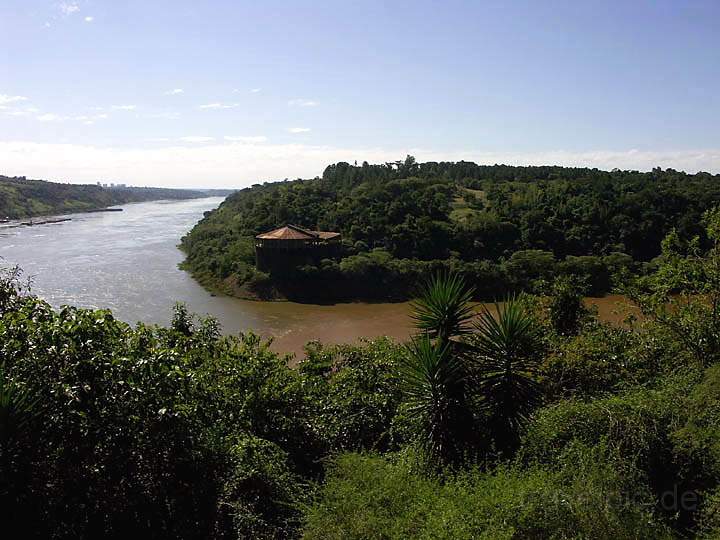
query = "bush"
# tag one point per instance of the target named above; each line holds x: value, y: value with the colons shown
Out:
x: 355, y: 393
x: 697, y: 442
x: 709, y: 522
x: 177, y: 433
x: 259, y: 492
x: 588, y: 495
x: 637, y: 424
x: 603, y: 358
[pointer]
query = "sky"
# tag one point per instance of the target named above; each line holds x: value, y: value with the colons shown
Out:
x: 221, y: 93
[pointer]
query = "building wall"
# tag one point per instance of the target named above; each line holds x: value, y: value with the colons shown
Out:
x: 278, y: 260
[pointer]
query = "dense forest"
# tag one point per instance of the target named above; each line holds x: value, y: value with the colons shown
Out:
x: 534, y: 421
x: 22, y: 198
x: 503, y: 228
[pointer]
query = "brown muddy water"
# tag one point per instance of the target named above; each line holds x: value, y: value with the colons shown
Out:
x: 128, y: 262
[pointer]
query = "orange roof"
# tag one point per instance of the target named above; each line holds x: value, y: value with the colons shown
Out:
x: 293, y: 232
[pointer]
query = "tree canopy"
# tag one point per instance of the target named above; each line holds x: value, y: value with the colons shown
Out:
x: 501, y: 227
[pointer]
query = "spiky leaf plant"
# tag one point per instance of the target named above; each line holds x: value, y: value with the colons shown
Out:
x: 434, y: 383
x: 443, y: 308
x: 507, y: 347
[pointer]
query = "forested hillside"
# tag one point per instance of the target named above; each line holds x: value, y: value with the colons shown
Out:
x: 21, y: 198
x: 538, y: 421
x: 502, y: 227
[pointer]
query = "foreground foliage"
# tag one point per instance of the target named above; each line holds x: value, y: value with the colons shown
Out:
x: 584, y: 495
x: 534, y: 421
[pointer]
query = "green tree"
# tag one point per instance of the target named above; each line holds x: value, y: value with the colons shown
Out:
x: 566, y: 309
x: 683, y: 296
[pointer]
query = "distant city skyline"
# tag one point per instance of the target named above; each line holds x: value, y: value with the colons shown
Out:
x: 227, y: 94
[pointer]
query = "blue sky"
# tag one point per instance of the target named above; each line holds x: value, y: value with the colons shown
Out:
x: 227, y: 93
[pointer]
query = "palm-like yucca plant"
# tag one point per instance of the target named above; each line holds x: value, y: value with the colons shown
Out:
x: 494, y: 365
x: 507, y: 347
x: 434, y: 385
x: 443, y: 308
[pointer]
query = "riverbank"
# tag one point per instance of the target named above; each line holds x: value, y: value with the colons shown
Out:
x: 22, y: 198
x: 129, y: 262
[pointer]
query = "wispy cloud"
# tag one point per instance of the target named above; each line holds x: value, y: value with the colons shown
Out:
x: 164, y: 115
x: 197, y: 139
x: 50, y: 117
x: 255, y: 90
x: 85, y: 119
x: 302, y: 103
x: 252, y: 139
x: 68, y: 8
x: 89, y: 19
x: 209, y: 106
x: 298, y: 130
x: 5, y: 99
x: 89, y: 120
x: 25, y: 111
x: 174, y: 92
x: 124, y: 107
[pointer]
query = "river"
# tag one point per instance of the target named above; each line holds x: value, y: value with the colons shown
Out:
x: 128, y: 262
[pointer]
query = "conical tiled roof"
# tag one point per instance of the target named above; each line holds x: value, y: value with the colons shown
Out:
x: 289, y: 232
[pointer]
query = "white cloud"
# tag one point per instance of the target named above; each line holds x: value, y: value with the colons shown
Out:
x: 298, y: 130
x: 89, y: 19
x: 124, y: 107
x: 253, y: 139
x: 25, y: 111
x: 302, y: 103
x: 174, y: 92
x: 220, y: 106
x: 69, y: 8
x: 255, y: 90
x: 15, y: 112
x: 197, y: 139
x: 4, y: 99
x: 89, y: 120
x: 238, y: 165
x: 164, y: 115
x: 85, y: 119
x: 50, y: 117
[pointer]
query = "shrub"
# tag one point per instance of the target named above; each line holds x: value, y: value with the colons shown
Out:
x: 354, y: 392
x: 697, y: 442
x: 709, y: 520
x: 636, y: 424
x: 589, y: 495
x: 601, y: 359
x: 259, y: 493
